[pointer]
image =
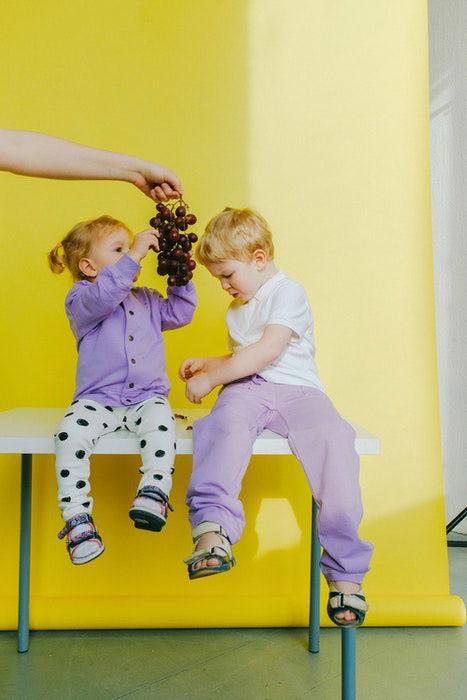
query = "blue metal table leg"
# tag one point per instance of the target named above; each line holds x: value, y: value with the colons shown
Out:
x: 313, y: 638
x: 24, y: 554
x: 348, y: 663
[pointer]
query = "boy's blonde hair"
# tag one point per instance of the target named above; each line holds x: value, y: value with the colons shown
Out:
x: 77, y: 244
x: 234, y: 234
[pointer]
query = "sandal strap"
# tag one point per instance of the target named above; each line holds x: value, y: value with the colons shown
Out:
x: 155, y: 494
x: 74, y: 541
x: 73, y: 522
x: 216, y: 551
x: 351, y: 601
x: 207, y: 526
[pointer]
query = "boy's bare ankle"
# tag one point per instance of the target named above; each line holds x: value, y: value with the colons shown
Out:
x: 208, y: 539
x: 347, y: 587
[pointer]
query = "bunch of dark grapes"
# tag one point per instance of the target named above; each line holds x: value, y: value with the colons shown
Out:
x: 175, y: 243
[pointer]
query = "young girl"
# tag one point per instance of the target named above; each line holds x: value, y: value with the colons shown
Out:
x: 269, y: 381
x: 121, y: 380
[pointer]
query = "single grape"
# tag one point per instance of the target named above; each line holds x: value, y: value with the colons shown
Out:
x: 180, y: 211
x: 192, y: 237
x: 191, y: 219
x: 180, y: 223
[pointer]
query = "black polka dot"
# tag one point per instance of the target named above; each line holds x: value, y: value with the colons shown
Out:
x: 119, y: 428
x: 67, y: 499
x: 160, y: 453
x: 104, y: 425
x: 141, y: 471
x: 109, y: 408
x: 162, y: 427
x: 127, y: 428
x: 138, y: 422
x: 83, y: 422
x: 86, y: 504
x: 90, y: 408
x: 173, y: 418
x: 142, y: 443
x: 80, y: 454
x: 80, y: 484
x: 124, y: 419
x: 73, y: 402
x: 175, y: 445
x: 172, y: 470
x: 64, y: 472
x: 158, y: 476
x: 159, y: 402
x: 68, y: 414
x: 63, y: 436
x: 139, y: 408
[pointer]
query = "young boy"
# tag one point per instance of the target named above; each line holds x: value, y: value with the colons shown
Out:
x: 270, y: 380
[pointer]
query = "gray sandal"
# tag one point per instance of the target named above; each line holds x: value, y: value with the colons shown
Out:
x: 221, y: 552
x: 339, y: 602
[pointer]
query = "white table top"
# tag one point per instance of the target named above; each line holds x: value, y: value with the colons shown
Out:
x: 30, y: 431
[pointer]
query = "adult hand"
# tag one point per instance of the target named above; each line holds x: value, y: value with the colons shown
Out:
x: 158, y: 182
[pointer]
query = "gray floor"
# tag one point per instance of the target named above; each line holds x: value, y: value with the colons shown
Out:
x: 257, y: 664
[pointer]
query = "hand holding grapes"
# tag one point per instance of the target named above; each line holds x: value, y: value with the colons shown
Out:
x: 142, y: 242
x: 197, y: 387
x: 192, y: 366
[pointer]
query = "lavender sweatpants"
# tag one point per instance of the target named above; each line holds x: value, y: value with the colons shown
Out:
x: 318, y: 436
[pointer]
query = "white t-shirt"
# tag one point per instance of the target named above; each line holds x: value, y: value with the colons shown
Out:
x: 282, y: 301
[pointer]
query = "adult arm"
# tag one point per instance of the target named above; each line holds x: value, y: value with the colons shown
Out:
x: 42, y: 155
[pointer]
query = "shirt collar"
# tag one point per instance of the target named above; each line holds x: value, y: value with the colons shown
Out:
x: 268, y: 286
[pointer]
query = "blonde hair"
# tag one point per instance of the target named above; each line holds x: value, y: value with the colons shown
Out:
x: 77, y: 244
x: 234, y: 234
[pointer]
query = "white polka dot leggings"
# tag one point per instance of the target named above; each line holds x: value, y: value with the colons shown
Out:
x: 86, y: 421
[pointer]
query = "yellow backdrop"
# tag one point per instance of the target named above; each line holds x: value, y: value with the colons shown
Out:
x: 318, y: 117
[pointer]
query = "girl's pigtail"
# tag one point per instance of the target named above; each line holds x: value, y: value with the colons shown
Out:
x: 56, y: 263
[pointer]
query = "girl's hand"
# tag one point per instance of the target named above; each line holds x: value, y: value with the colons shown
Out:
x: 142, y: 242
x: 190, y: 367
x: 198, y: 387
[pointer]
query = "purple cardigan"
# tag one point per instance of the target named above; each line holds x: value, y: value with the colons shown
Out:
x: 118, y: 329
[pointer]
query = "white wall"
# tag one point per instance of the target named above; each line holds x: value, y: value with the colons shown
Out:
x: 448, y: 125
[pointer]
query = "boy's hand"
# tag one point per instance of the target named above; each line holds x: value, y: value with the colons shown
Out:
x: 190, y: 367
x: 142, y: 242
x: 198, y: 387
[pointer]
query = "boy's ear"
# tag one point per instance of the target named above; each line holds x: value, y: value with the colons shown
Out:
x: 87, y: 268
x: 260, y: 258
